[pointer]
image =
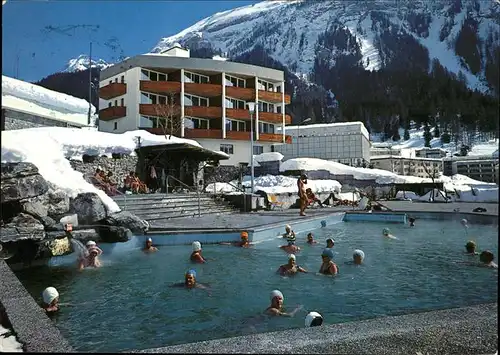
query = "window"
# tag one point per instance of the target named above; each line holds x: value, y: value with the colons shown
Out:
x: 110, y: 82
x: 264, y: 85
x: 147, y: 98
x: 258, y: 149
x: 122, y: 102
x: 110, y: 104
x: 153, y: 76
x: 115, y: 126
x: 122, y: 79
x: 199, y: 123
x: 116, y: 102
x: 266, y: 128
x: 195, y: 78
x: 116, y: 80
x: 162, y: 77
x: 234, y: 125
x: 191, y: 100
x: 266, y: 107
x: 227, y: 148
x: 235, y: 103
x: 233, y: 81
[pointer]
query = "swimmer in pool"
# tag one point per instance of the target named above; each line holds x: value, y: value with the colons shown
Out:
x: 190, y: 281
x: 470, y: 248
x: 412, y: 221
x: 328, y: 267
x: 196, y: 256
x: 313, y: 319
x: 486, y: 257
x: 330, y: 243
x: 291, y: 268
x: 91, y: 258
x: 358, y: 256
x: 290, y: 248
x: 243, y: 243
x: 50, y: 298
x: 387, y: 233
x: 149, y: 248
x: 276, y: 307
x: 289, y: 233
x: 310, y: 239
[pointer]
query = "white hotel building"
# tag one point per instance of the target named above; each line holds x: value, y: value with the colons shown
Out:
x: 209, y: 97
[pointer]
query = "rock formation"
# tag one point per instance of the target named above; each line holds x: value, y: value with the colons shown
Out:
x: 33, y: 213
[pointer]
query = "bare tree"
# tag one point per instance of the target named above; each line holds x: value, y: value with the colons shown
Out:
x: 433, y: 173
x: 169, y: 116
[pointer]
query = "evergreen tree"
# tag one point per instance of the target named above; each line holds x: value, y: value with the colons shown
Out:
x: 427, y: 136
x: 406, y: 135
x: 436, y: 131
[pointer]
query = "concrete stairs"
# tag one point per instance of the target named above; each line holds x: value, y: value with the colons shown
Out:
x: 156, y: 208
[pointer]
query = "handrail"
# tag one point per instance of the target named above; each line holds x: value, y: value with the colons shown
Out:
x: 242, y: 189
x: 189, y: 187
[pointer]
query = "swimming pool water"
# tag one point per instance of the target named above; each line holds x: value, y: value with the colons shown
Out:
x: 128, y: 304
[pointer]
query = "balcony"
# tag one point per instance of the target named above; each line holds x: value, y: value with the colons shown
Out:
x: 203, y: 111
x: 274, y: 97
x: 272, y: 137
x: 238, y: 135
x: 160, y: 87
x: 238, y: 114
x: 112, y: 113
x: 112, y: 90
x: 276, y: 118
x: 159, y: 110
x: 157, y: 130
x: 245, y: 94
x: 202, y: 133
x: 203, y: 90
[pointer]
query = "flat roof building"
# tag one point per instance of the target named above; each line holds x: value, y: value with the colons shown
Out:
x: 202, y: 99
x: 346, y: 143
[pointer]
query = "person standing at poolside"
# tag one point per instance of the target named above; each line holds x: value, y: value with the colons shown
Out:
x: 291, y: 268
x: 149, y: 248
x: 276, y: 307
x: 328, y: 267
x: 301, y: 186
x: 196, y: 256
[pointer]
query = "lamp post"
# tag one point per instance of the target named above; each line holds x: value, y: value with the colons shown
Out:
x: 251, y: 108
x: 309, y: 119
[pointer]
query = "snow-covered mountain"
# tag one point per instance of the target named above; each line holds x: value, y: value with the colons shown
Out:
x: 300, y: 33
x: 82, y: 63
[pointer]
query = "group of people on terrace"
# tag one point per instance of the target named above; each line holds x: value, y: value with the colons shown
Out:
x: 105, y: 181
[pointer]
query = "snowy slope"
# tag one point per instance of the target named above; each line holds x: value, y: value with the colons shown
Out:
x: 289, y: 30
x: 30, y: 98
x: 82, y: 63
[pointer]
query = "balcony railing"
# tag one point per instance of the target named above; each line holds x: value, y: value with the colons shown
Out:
x: 203, y: 90
x: 238, y: 114
x: 159, y: 110
x: 238, y: 135
x: 202, y: 133
x: 113, y: 112
x: 245, y: 94
x: 112, y: 90
x: 274, y: 137
x: 160, y: 87
x: 203, y: 111
x: 271, y: 96
x: 276, y: 118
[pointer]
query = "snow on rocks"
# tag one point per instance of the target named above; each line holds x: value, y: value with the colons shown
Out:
x: 9, y: 344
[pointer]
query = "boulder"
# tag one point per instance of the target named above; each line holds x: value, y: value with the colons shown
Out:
x: 23, y: 226
x: 36, y: 206
x: 54, y: 247
x: 88, y: 207
x: 112, y: 234
x: 127, y: 220
x: 15, y: 189
x: 49, y: 223
x: 18, y: 170
x: 58, y: 203
x: 84, y: 235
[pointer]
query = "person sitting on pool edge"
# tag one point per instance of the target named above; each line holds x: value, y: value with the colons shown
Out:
x: 387, y: 233
x: 149, y: 248
x: 313, y: 319
x: 50, y: 298
x: 190, y: 281
x: 243, y: 243
x: 486, y: 257
x: 276, y: 307
x: 310, y: 239
x: 470, y: 248
x: 291, y: 268
x: 196, y: 256
x: 328, y: 267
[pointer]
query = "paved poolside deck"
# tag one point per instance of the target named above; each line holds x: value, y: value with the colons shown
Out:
x: 252, y: 220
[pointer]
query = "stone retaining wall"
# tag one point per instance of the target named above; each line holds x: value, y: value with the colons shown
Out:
x: 119, y: 166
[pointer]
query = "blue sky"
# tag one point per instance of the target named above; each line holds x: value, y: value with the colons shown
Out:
x: 134, y: 26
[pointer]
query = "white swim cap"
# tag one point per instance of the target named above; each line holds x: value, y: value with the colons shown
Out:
x: 196, y: 246
x: 49, y: 294
x: 386, y: 231
x: 149, y: 240
x: 277, y: 293
x: 292, y: 256
x: 463, y: 221
x: 359, y: 252
x: 312, y: 316
x: 288, y: 227
x: 90, y: 243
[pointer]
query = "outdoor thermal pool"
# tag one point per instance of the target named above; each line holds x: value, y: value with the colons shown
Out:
x: 128, y: 304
